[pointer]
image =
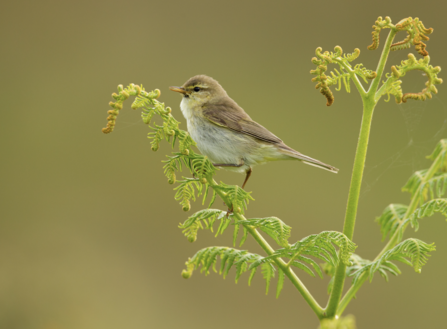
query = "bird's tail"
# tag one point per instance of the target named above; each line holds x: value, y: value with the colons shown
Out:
x: 307, y: 160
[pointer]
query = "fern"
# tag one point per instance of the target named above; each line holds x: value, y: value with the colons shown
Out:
x: 413, y: 184
x: 364, y: 73
x: 346, y: 73
x: 186, y: 191
x: 427, y: 210
x: 320, y: 246
x: 360, y: 265
x: 173, y: 164
x: 238, y: 197
x: 394, y: 88
x: 391, y: 219
x: 356, y: 263
x: 280, y: 285
x: 273, y: 226
x: 202, y: 166
x: 412, y: 64
x: 441, y: 152
x: 338, y: 78
x: 435, y: 187
x: 240, y: 259
x: 412, y: 252
x: 205, y: 219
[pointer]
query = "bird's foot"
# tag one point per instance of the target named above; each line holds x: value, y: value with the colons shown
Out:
x: 229, y: 211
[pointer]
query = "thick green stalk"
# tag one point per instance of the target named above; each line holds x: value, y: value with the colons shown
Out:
x: 279, y: 262
x: 353, y: 198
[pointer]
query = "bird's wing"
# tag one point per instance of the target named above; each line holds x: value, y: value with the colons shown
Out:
x: 233, y: 117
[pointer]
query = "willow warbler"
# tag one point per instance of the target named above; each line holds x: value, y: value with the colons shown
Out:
x: 226, y: 134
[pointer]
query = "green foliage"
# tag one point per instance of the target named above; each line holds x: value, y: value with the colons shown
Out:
x: 391, y: 219
x: 416, y: 32
x: 427, y: 210
x: 441, y: 153
x: 356, y: 263
x: 187, y: 191
x: 392, y: 84
x: 423, y: 185
x: 320, y: 246
x: 347, y: 71
x: 205, y: 219
x: 273, y: 226
x: 412, y: 252
x: 242, y: 260
x: 238, y: 197
x: 435, y: 187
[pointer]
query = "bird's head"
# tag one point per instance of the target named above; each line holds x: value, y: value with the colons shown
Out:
x: 201, y: 89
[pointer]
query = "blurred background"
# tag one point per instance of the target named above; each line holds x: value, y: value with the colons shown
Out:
x: 88, y: 224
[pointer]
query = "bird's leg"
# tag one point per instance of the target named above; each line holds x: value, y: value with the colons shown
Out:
x: 230, y: 210
x: 247, y: 176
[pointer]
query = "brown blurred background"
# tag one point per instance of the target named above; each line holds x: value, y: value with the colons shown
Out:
x: 88, y: 235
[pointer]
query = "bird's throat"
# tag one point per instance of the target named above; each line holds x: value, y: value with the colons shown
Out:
x: 190, y: 108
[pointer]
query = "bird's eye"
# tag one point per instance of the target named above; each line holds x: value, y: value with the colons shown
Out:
x: 196, y: 88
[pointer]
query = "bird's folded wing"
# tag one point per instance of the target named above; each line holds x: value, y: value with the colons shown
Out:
x: 238, y: 121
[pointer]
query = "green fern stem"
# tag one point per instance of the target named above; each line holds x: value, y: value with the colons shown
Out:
x: 369, y: 103
x: 353, y: 198
x: 278, y: 261
x: 395, y: 238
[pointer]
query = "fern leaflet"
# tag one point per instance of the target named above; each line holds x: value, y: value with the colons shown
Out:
x: 320, y: 246
x: 412, y: 252
x: 240, y: 259
x: 205, y: 219
x: 238, y: 197
x: 427, y: 210
x: 273, y: 226
x: 391, y: 219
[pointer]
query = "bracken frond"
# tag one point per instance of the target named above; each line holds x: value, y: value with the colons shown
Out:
x: 412, y: 252
x: 379, y: 25
x: 427, y: 210
x: 242, y: 260
x: 422, y: 65
x: 123, y: 94
x: 422, y: 189
x: 391, y: 219
x: 441, y: 152
x: 364, y: 73
x: 186, y: 191
x: 238, y: 197
x: 416, y: 32
x: 352, y: 56
x: 338, y: 78
x: 324, y: 81
x: 320, y: 246
x: 273, y: 226
x: 205, y: 219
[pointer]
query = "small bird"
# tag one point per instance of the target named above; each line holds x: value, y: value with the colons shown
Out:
x: 226, y: 134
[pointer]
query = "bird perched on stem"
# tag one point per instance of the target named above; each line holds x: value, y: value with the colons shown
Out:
x: 226, y: 134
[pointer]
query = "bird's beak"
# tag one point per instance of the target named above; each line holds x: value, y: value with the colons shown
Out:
x: 178, y: 89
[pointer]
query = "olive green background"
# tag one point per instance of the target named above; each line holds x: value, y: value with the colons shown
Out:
x: 88, y: 226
